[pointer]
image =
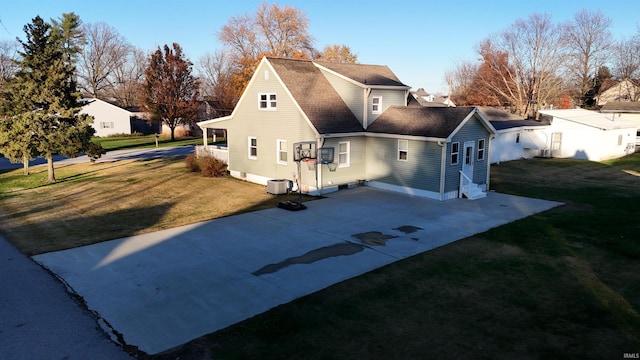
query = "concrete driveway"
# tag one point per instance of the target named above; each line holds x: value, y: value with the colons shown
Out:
x: 163, y: 289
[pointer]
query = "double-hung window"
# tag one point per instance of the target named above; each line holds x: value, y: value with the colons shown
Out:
x: 376, y: 104
x: 403, y: 150
x: 344, y: 149
x: 481, y: 143
x: 281, y: 156
x: 253, y: 147
x: 455, y: 153
x: 267, y: 101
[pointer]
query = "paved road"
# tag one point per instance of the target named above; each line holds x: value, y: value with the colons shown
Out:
x: 40, y: 320
x: 150, y: 153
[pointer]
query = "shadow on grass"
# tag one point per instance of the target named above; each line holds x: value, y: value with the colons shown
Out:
x: 40, y: 237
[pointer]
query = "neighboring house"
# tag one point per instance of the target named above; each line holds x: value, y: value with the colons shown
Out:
x: 108, y: 119
x: 426, y: 99
x: 516, y: 138
x: 361, y: 112
x: 588, y: 135
x: 618, y: 90
x: 624, y: 110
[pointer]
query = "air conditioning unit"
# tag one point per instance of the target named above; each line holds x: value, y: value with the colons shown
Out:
x: 278, y: 186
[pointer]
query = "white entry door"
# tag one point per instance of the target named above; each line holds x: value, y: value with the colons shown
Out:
x: 467, y: 165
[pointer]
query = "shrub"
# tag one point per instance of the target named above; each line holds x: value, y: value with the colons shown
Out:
x: 192, y: 162
x: 212, y: 167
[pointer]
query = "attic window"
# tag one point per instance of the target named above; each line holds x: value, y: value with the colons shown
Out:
x: 376, y: 104
x: 267, y: 101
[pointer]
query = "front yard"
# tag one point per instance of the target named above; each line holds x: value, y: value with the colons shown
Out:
x: 560, y: 284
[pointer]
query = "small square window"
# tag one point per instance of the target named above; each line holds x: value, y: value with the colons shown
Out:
x: 267, y: 101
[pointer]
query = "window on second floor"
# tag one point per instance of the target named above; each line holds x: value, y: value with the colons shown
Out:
x: 267, y: 101
x: 376, y: 104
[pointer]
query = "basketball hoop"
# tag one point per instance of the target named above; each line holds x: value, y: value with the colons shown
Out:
x: 311, y: 163
x: 332, y: 166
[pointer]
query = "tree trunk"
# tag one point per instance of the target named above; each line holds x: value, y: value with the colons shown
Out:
x: 25, y: 164
x: 52, y: 175
x: 173, y: 130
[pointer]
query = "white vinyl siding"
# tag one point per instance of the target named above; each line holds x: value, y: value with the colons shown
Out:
x: 253, y: 147
x: 403, y: 150
x: 267, y: 101
x: 282, y: 155
x: 344, y: 149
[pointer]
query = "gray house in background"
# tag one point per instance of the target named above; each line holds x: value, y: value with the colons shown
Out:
x: 380, y: 136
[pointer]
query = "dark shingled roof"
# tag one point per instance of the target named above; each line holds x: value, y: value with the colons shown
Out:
x: 621, y: 106
x: 420, y: 121
x: 371, y: 75
x: 318, y: 99
x: 501, y: 119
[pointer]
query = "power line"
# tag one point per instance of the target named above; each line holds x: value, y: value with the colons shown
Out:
x: 5, y: 28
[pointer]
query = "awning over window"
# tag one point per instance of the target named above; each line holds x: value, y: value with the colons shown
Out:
x: 531, y: 140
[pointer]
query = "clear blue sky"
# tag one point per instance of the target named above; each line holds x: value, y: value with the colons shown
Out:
x: 418, y: 40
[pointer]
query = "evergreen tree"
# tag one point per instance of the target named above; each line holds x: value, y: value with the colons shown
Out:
x: 44, y: 117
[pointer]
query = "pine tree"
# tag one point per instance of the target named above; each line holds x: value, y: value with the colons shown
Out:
x: 44, y: 117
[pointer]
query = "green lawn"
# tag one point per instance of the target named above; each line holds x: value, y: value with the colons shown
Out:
x: 561, y: 284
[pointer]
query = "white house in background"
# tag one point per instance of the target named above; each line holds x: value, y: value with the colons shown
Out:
x: 588, y: 135
x: 108, y: 119
x: 516, y: 138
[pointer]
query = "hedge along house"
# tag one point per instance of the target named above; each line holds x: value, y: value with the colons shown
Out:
x: 364, y: 113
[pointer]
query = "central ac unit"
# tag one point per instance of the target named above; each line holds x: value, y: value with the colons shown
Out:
x: 278, y: 186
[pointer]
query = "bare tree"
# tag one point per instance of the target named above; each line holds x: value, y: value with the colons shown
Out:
x: 127, y: 78
x: 589, y: 42
x: 284, y: 30
x: 105, y: 52
x: 626, y: 58
x: 8, y: 56
x: 459, y: 80
x: 216, y: 71
x: 535, y: 51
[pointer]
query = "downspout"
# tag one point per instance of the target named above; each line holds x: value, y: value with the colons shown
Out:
x: 365, y: 114
x: 488, y: 157
x: 319, y: 145
x: 443, y: 162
